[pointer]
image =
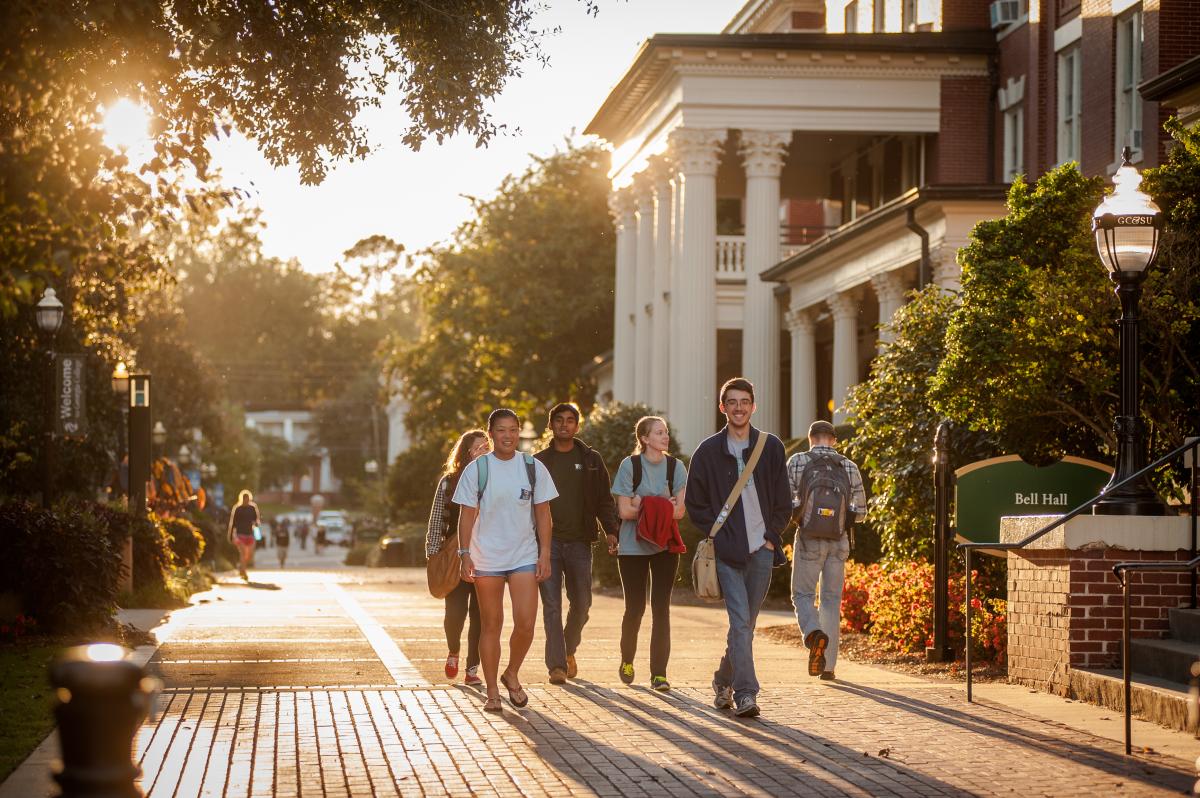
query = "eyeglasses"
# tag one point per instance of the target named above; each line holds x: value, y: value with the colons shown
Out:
x: 738, y: 403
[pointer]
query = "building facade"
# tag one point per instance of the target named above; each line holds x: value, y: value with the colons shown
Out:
x: 778, y: 187
x: 297, y: 429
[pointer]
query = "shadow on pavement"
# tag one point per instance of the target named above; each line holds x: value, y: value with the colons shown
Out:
x: 253, y: 585
x: 1110, y: 762
x: 735, y: 750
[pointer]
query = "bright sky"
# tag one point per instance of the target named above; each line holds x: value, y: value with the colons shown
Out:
x: 416, y: 197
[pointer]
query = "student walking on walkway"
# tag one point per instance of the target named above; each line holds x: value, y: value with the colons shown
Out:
x: 649, y: 487
x: 584, y: 506
x: 829, y: 497
x: 443, y: 517
x: 504, y: 538
x: 748, y: 543
x: 242, y: 522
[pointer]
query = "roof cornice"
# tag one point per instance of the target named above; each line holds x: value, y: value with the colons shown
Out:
x: 649, y: 64
x: 1174, y: 79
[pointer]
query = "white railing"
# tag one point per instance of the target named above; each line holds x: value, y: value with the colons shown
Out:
x: 731, y: 257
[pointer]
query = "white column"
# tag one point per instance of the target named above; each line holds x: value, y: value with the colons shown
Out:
x: 844, y: 307
x: 644, y: 298
x: 763, y: 153
x: 623, y: 342
x: 660, y: 321
x: 889, y: 289
x: 697, y: 152
x: 802, y: 325
x: 946, y: 273
x: 675, y: 364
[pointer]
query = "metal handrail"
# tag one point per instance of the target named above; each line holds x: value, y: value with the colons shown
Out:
x: 967, y: 548
x: 1153, y: 565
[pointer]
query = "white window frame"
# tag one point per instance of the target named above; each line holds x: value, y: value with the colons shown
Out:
x: 1014, y: 142
x: 1128, y: 111
x: 850, y: 17
x: 878, y: 16
x: 908, y: 15
x: 1069, y: 103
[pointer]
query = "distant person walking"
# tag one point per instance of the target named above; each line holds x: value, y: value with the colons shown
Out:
x: 828, y: 495
x: 443, y: 517
x: 242, y: 522
x: 649, y: 487
x: 302, y: 533
x: 504, y: 530
x: 282, y: 535
x: 584, y: 507
x: 748, y: 545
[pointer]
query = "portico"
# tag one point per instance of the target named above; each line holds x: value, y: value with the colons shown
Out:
x: 735, y: 153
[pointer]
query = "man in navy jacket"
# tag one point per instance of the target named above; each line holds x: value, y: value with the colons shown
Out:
x: 748, y: 546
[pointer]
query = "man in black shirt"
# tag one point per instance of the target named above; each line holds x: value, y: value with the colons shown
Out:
x: 584, y: 507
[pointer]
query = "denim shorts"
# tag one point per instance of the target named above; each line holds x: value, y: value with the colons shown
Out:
x: 520, y: 569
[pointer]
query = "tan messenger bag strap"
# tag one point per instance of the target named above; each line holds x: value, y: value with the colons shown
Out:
x: 738, y: 486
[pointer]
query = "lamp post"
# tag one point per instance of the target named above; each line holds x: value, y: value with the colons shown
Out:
x: 527, y: 437
x: 1127, y: 226
x: 120, y: 387
x: 49, y: 316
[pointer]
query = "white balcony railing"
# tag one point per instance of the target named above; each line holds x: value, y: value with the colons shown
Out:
x: 731, y: 257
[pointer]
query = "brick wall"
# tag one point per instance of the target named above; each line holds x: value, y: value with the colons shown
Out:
x: 962, y: 154
x: 1098, y: 87
x: 1171, y: 36
x: 965, y: 15
x: 1064, y: 610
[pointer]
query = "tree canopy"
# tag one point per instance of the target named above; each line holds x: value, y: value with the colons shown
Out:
x: 518, y: 302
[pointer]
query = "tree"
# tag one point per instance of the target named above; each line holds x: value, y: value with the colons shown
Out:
x: 518, y: 302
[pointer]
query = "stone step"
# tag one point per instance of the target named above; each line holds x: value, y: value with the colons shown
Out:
x: 1155, y: 700
x: 1165, y: 659
x: 1185, y: 624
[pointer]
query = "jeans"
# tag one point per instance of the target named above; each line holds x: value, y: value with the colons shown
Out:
x: 744, y: 590
x: 461, y: 602
x: 572, y: 559
x: 825, y: 559
x: 657, y: 571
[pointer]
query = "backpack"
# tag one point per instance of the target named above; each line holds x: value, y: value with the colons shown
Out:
x: 482, y: 468
x: 636, y: 461
x: 825, y: 488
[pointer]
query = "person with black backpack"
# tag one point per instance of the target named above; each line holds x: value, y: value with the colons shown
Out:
x: 649, y: 487
x: 828, y: 497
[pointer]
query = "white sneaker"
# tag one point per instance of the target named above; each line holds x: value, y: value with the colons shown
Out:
x: 724, y: 696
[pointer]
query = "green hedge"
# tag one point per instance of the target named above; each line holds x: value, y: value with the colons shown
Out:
x: 61, y: 566
x: 187, y: 541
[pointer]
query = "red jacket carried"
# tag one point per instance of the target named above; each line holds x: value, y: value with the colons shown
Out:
x: 657, y: 524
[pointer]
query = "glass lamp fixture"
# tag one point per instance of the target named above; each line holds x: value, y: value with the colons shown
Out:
x: 120, y: 379
x: 49, y: 312
x: 159, y: 433
x: 1127, y: 224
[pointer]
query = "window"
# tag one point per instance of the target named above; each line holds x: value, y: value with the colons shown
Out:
x: 1068, y: 104
x: 851, y: 16
x: 1014, y: 142
x: 879, y: 11
x: 1129, y: 74
x: 908, y: 16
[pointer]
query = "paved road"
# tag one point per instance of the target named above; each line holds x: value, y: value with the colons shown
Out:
x: 329, y: 683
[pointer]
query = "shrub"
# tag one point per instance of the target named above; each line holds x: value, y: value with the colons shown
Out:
x: 60, y: 564
x: 187, y: 541
x: 855, y: 594
x: 899, y: 610
x: 358, y: 554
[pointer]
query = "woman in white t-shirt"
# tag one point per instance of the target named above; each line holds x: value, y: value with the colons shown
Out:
x: 504, y: 533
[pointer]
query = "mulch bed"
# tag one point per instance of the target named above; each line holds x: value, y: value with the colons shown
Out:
x: 864, y: 649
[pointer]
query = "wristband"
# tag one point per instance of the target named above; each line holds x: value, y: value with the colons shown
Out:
x: 462, y: 552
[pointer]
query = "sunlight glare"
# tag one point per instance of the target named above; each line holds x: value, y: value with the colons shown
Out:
x: 126, y: 126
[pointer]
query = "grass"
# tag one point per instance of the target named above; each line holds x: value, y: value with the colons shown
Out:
x: 26, y: 699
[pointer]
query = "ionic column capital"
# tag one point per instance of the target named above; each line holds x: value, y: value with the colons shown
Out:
x: 800, y: 320
x: 889, y: 288
x: 844, y: 305
x: 621, y: 202
x: 697, y: 151
x: 763, y: 151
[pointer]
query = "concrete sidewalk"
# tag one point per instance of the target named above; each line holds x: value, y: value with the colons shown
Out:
x: 330, y: 683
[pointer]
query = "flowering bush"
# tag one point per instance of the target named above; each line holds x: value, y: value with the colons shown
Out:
x: 17, y: 628
x: 894, y: 603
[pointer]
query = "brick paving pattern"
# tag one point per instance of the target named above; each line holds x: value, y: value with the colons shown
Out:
x: 277, y: 693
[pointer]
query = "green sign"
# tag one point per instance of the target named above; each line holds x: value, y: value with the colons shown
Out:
x: 990, y: 489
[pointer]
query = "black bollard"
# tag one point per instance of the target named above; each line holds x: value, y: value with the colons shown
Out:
x: 941, y: 651
x: 103, y: 698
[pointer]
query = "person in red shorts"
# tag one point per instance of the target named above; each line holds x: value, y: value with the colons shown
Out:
x: 242, y: 522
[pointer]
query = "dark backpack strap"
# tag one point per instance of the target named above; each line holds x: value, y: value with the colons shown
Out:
x: 671, y: 476
x: 531, y: 472
x: 636, y: 461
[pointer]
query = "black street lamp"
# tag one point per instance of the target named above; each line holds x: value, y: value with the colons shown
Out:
x: 49, y: 316
x: 120, y: 387
x: 1127, y: 226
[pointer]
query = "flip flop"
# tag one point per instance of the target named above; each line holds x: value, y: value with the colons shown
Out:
x: 493, y: 705
x: 513, y: 692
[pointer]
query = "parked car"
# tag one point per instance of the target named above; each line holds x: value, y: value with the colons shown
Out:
x: 337, y: 531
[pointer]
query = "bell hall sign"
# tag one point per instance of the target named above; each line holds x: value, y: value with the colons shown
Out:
x: 988, y: 490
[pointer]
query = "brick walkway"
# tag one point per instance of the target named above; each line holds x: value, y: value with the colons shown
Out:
x: 300, y: 691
